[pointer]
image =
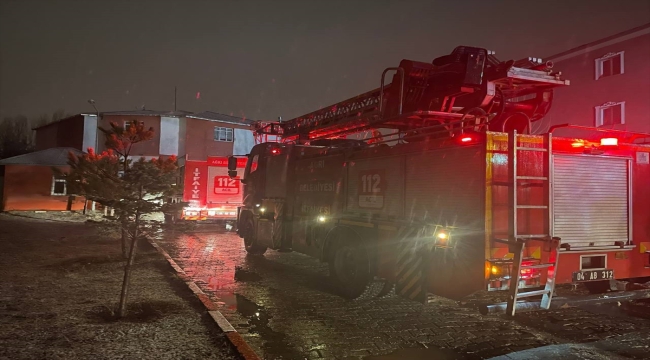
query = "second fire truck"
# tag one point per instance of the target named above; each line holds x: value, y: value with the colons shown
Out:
x: 452, y: 194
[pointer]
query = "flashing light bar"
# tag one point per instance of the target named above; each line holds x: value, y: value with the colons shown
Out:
x: 609, y: 142
x: 466, y: 139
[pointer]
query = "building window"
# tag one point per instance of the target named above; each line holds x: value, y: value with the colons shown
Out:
x: 610, y: 64
x: 610, y: 114
x: 222, y: 134
x: 127, y: 124
x: 58, y: 185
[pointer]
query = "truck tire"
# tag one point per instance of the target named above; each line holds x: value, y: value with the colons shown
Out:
x: 250, y: 242
x: 350, y: 269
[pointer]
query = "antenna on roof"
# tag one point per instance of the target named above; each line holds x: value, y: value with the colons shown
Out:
x: 174, y: 98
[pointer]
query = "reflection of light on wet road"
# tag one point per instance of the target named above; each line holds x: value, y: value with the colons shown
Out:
x: 265, y: 316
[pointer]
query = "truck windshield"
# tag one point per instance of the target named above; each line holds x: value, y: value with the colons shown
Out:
x: 252, y: 166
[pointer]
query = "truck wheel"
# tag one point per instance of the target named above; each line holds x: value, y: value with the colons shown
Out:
x: 349, y: 267
x: 250, y: 242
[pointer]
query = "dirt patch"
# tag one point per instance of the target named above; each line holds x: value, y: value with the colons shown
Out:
x: 60, y: 285
x: 143, y: 311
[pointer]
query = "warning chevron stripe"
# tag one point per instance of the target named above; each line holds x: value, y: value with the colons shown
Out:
x: 409, y: 269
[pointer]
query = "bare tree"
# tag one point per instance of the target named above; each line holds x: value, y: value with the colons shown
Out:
x: 15, y: 136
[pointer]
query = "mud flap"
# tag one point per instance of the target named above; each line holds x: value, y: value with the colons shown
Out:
x: 278, y: 226
x: 264, y: 232
x: 410, y: 277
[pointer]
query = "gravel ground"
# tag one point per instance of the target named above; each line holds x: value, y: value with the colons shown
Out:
x: 59, y: 285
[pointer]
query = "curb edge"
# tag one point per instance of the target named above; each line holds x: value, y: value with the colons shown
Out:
x: 236, y: 340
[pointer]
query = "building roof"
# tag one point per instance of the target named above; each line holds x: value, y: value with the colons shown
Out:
x: 178, y: 113
x: 613, y: 39
x: 60, y: 120
x: 213, y: 116
x: 206, y: 115
x: 52, y: 157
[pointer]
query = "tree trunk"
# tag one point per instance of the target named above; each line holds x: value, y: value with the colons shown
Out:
x: 128, y: 268
x: 125, y: 246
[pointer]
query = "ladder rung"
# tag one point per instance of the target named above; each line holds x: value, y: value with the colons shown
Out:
x: 532, y: 178
x: 538, y: 266
x: 530, y: 236
x: 543, y: 236
x: 532, y: 207
x: 533, y: 293
x: 530, y: 148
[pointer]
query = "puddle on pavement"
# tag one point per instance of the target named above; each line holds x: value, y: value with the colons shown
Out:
x: 275, y: 345
x: 430, y: 353
x: 246, y: 275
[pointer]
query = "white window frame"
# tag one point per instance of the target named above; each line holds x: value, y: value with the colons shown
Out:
x: 601, y: 60
x: 128, y: 122
x: 65, y: 186
x: 227, y: 131
x: 600, y: 112
x: 594, y: 255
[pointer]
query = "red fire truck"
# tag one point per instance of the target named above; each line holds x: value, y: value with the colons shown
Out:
x: 460, y: 197
x: 210, y: 193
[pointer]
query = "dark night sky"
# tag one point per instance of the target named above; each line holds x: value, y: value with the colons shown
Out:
x: 264, y: 58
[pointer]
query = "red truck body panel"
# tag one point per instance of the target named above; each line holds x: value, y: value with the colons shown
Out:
x: 210, y: 192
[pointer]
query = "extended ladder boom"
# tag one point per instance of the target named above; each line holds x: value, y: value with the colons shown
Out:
x: 470, y: 84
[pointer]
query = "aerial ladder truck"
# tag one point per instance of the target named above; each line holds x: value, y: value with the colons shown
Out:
x: 452, y: 194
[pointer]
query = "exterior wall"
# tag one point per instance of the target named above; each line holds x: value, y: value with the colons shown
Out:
x: 147, y: 148
x: 28, y: 187
x: 182, y: 135
x: 576, y: 103
x: 90, y: 132
x: 199, y: 139
x: 66, y: 133
x: 169, y: 134
x: 244, y: 141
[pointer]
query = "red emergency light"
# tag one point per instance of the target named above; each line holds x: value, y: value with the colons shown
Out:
x: 275, y: 151
x: 467, y: 138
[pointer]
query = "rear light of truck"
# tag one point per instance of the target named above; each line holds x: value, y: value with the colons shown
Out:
x: 468, y: 138
x: 609, y: 142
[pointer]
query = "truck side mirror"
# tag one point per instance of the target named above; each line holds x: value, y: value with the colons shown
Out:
x: 232, y: 163
x: 232, y: 167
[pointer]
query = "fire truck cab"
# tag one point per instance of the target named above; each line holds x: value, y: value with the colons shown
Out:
x: 458, y: 199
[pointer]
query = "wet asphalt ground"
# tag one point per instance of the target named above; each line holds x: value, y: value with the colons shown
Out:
x: 285, y: 308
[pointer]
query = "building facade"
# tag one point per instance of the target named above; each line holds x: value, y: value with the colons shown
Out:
x: 182, y: 134
x: 610, y: 84
x: 28, y: 183
x: 77, y: 131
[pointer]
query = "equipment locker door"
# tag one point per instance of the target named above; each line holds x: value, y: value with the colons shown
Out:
x: 591, y: 196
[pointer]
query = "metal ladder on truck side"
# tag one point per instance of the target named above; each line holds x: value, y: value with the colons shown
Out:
x: 517, y: 242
